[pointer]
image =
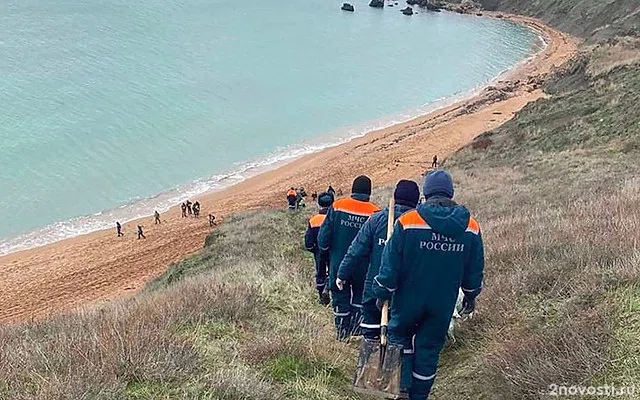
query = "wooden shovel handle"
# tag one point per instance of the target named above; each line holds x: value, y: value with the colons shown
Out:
x: 384, y: 319
x: 384, y: 322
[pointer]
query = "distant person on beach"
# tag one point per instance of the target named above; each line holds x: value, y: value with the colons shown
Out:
x: 292, y: 198
x: 434, y: 164
x: 156, y: 217
x: 189, y: 207
x: 119, y: 229
x: 196, y: 209
x: 314, y: 196
x: 184, y: 210
x: 300, y: 196
x: 339, y: 193
x: 331, y: 191
x: 140, y: 233
x: 212, y: 220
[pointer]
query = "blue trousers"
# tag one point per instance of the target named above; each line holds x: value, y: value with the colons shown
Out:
x: 370, y: 325
x: 422, y: 343
x: 347, y: 309
x: 322, y: 268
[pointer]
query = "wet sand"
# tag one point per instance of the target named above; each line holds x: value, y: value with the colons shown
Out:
x: 98, y: 267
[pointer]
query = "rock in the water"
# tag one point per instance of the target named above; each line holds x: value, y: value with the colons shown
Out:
x: 408, y: 11
x: 413, y: 2
x: 348, y: 7
x: 377, y: 3
x: 390, y: 5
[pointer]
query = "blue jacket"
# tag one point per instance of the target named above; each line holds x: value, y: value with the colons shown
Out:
x: 344, y: 220
x: 435, y: 250
x: 311, y: 235
x: 369, y: 243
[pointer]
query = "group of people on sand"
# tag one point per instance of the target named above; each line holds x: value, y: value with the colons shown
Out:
x: 187, y: 208
x: 296, y: 196
x: 434, y: 253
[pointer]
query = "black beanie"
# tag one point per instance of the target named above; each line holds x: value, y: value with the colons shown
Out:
x: 362, y: 185
x: 407, y: 193
x: 325, y: 200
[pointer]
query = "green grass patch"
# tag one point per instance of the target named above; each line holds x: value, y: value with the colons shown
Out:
x: 625, y: 351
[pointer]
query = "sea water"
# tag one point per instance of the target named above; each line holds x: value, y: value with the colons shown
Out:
x: 111, y: 109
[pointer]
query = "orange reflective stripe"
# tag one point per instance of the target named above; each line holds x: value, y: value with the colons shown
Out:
x: 473, y: 226
x: 356, y: 207
x: 317, y: 220
x: 412, y: 219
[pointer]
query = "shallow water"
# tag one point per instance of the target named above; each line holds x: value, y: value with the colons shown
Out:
x: 111, y: 109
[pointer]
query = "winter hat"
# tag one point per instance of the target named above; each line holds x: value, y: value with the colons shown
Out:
x: 325, y: 200
x: 407, y: 193
x: 438, y: 182
x: 362, y: 185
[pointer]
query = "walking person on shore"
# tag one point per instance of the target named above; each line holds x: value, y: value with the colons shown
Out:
x: 434, y: 163
x: 196, y: 209
x: 189, y: 207
x: 140, y: 233
x: 292, y: 198
x: 435, y: 251
x: 119, y: 229
x: 344, y: 219
x: 183, y: 207
x: 331, y: 191
x: 156, y: 217
x: 212, y: 220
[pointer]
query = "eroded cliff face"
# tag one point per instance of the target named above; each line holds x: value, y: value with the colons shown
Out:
x: 590, y: 19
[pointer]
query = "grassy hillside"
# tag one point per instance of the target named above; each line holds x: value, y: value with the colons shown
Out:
x: 591, y: 19
x: 557, y: 192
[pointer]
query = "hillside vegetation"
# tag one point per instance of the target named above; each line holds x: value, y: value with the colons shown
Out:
x: 557, y: 192
x: 591, y: 19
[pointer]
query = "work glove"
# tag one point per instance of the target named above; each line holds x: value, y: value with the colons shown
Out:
x: 324, y: 298
x: 340, y: 283
x: 468, y: 306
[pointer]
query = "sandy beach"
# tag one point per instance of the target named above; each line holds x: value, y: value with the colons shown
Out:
x: 99, y: 267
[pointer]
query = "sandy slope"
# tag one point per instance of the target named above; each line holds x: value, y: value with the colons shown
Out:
x: 100, y: 266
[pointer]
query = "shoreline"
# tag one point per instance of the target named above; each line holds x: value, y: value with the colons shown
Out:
x: 140, y: 208
x: 97, y: 266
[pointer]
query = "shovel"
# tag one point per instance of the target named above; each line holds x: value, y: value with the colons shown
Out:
x: 380, y: 363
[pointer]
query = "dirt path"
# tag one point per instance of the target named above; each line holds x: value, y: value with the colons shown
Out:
x: 100, y: 266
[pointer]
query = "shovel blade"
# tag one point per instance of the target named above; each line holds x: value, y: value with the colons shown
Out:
x: 367, y: 370
x: 389, y: 379
x: 378, y: 377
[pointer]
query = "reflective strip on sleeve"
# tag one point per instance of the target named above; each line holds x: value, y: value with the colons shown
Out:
x: 407, y: 351
x: 383, y: 286
x: 422, y: 377
x: 370, y: 326
x: 357, y: 305
x: 471, y: 290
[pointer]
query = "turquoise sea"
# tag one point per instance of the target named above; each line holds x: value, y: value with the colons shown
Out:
x: 111, y: 109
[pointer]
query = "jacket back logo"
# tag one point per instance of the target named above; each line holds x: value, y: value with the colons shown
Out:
x: 441, y: 242
x: 353, y: 221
